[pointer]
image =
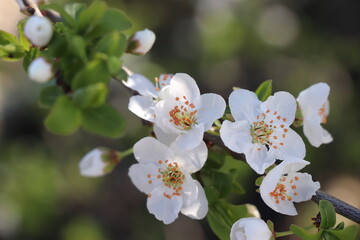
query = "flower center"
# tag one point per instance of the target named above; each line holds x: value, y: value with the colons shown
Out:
x: 322, y: 113
x: 183, y: 115
x: 267, y: 130
x: 281, y: 193
x: 171, y: 176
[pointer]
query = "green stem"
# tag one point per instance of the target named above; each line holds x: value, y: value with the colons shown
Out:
x: 125, y: 153
x: 287, y: 233
x: 283, y: 234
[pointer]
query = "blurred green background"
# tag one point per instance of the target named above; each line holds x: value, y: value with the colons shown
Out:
x: 221, y: 43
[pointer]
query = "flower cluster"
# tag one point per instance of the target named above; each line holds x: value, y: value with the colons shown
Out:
x: 261, y: 130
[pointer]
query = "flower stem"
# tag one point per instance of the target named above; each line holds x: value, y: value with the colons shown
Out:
x: 213, y: 133
x: 126, y: 152
x: 283, y: 234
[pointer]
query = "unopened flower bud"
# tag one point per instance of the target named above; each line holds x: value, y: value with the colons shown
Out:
x: 98, y: 162
x: 38, y: 30
x: 141, y: 42
x: 40, y: 70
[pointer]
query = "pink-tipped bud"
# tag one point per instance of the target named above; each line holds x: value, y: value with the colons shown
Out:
x: 141, y: 42
x: 38, y: 30
x: 40, y: 70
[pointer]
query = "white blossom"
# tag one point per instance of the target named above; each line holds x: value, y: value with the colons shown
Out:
x: 163, y: 173
x: 98, y: 162
x: 141, y: 42
x: 184, y: 114
x: 40, y: 70
x: 261, y: 129
x: 143, y: 104
x: 251, y: 228
x: 38, y: 30
x: 314, y: 105
x: 283, y: 186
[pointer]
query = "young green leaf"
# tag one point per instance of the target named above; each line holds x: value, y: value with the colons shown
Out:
x: 64, y: 118
x: 104, y: 120
x: 49, y: 95
x: 113, y: 44
x: 90, y: 17
x: 349, y: 233
x: 298, y: 231
x: 327, y: 235
x: 94, y: 72
x: 10, y: 48
x: 328, y: 214
x: 264, y: 90
x: 24, y: 42
x: 74, y: 9
x: 91, y: 96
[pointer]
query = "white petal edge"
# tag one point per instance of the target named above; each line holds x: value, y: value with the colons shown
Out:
x: 141, y: 84
x: 192, y: 160
x: 250, y: 228
x: 197, y: 208
x: 150, y: 150
x: 143, y: 107
x: 236, y: 135
x: 138, y: 174
x: 164, y: 209
x: 190, y: 139
x: 244, y: 105
x: 92, y: 165
x: 312, y: 98
x: 213, y: 108
x: 183, y: 85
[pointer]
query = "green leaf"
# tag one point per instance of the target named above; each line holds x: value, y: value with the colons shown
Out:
x: 222, y: 216
x: 30, y: 56
x: 64, y: 15
x: 222, y: 182
x: 298, y: 231
x: 327, y: 235
x: 77, y: 46
x: 340, y: 226
x: 259, y: 180
x: 74, y: 9
x: 264, y: 90
x: 112, y: 20
x: 64, y: 118
x: 49, y: 95
x: 104, y: 120
x: 270, y: 225
x: 91, y: 96
x: 25, y: 43
x: 121, y: 76
x: 94, y: 72
x: 328, y: 214
x: 113, y: 44
x: 10, y: 48
x: 114, y: 65
x: 90, y: 17
x: 212, y: 195
x: 348, y: 233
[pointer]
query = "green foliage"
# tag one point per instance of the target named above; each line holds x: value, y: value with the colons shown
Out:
x: 222, y: 216
x: 328, y: 214
x: 264, y: 90
x: 91, y: 96
x: 103, y: 120
x: 10, y: 48
x: 49, y: 95
x: 64, y: 118
x: 298, y: 231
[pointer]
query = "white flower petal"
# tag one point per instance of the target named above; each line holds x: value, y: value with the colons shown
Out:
x: 164, y: 209
x: 236, y: 135
x: 139, y: 175
x: 144, y: 39
x: 258, y: 158
x: 142, y: 85
x: 244, y: 105
x: 290, y: 146
x: 312, y: 98
x: 164, y: 137
x: 143, y: 107
x: 184, y: 85
x: 92, y: 165
x: 191, y: 160
x: 195, y: 208
x: 283, y: 104
x: 150, y: 150
x: 250, y: 228
x: 315, y: 133
x: 162, y: 120
x: 40, y: 70
x: 305, y: 187
x: 38, y: 30
x: 213, y: 107
x: 191, y: 138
